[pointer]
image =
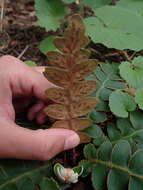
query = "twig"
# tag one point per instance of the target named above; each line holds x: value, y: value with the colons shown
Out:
x: 2, y: 15
x: 22, y: 53
x: 127, y: 56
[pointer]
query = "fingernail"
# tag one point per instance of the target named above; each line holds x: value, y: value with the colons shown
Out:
x: 71, y: 142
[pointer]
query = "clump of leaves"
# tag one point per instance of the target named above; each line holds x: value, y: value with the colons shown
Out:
x: 69, y: 66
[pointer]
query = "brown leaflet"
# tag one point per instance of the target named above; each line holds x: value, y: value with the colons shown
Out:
x: 57, y: 76
x: 82, y: 55
x: 56, y: 111
x: 60, y: 43
x: 56, y: 59
x: 83, y: 69
x: 75, y: 28
x: 83, y: 106
x: 77, y: 124
x: 80, y: 123
x: 84, y: 138
x: 84, y: 88
x: 57, y: 95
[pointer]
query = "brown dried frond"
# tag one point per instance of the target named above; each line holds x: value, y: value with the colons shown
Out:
x: 68, y: 69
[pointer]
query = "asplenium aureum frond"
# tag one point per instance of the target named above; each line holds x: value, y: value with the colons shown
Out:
x: 68, y: 68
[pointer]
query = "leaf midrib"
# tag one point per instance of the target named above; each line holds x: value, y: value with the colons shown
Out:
x: 127, y: 137
x: 109, y: 164
x: 27, y: 173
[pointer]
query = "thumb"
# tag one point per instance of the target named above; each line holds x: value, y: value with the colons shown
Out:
x: 22, y: 143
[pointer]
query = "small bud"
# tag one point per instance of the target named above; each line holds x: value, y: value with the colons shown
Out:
x: 67, y: 175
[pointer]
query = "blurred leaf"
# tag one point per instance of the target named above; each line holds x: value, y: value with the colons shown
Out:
x: 134, y: 5
x: 121, y: 103
x: 107, y: 80
x: 49, y: 13
x: 30, y: 63
x: 49, y: 184
x: 139, y: 98
x: 133, y: 72
x: 96, y: 4
x: 116, y: 27
x: 115, y: 164
x: 20, y: 174
x: 47, y: 45
x: 68, y: 1
x: 125, y: 129
x: 97, y: 116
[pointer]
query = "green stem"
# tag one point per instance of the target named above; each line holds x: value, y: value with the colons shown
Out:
x: 114, y: 166
x: 27, y: 173
x: 128, y: 136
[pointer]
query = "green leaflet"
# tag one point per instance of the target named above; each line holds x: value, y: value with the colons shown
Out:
x: 49, y: 184
x: 97, y: 116
x: 19, y: 174
x: 47, y: 45
x: 90, y: 151
x: 139, y: 98
x: 108, y: 80
x: 30, y: 63
x: 114, y: 28
x: 121, y: 103
x: 96, y: 133
x: 68, y: 1
x: 132, y: 130
x: 133, y: 72
x: 116, y: 165
x: 134, y: 5
x: 49, y: 13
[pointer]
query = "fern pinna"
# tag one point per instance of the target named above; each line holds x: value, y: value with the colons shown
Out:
x: 68, y: 68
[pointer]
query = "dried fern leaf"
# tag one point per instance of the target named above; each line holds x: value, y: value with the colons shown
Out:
x: 57, y: 59
x: 84, y: 88
x: 82, y: 55
x: 56, y: 111
x: 77, y: 124
x: 57, y: 76
x: 83, y: 106
x: 57, y: 95
x: 84, y: 138
x: 59, y: 42
x: 84, y: 69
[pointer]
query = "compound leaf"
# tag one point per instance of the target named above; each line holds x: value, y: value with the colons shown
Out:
x: 107, y: 80
x: 20, y: 174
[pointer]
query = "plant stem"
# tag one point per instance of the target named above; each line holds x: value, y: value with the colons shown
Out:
x: 115, y: 166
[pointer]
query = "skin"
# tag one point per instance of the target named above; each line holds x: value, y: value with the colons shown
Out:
x: 19, y: 86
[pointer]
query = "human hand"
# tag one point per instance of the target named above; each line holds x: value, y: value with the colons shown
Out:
x: 19, y: 84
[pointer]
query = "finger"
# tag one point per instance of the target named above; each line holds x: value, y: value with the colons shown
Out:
x: 34, y: 110
x: 27, y: 81
x: 22, y: 143
x: 39, y: 69
x: 41, y: 117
